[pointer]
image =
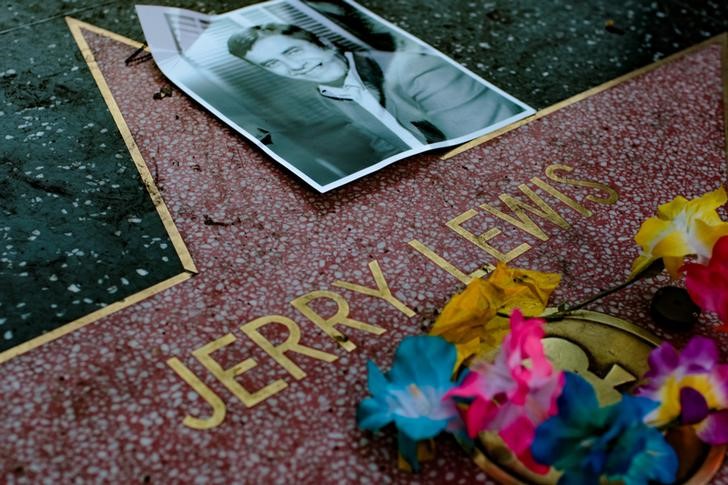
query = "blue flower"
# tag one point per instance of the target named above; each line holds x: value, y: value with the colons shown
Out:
x: 586, y: 441
x: 411, y: 394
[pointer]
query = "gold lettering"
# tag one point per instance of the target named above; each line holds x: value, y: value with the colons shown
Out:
x: 278, y: 352
x: 227, y: 376
x: 213, y: 400
x: 341, y: 317
x: 524, y: 222
x: 562, y: 197
x: 482, y: 240
x: 612, y: 195
x: 382, y: 290
x: 447, y: 266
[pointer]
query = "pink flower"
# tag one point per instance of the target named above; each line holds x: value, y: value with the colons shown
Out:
x: 516, y: 393
x: 708, y: 284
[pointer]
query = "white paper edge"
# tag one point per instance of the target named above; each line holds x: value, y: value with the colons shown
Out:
x: 162, y: 59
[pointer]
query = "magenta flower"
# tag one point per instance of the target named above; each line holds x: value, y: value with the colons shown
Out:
x: 708, y: 284
x: 691, y: 387
x: 514, y: 394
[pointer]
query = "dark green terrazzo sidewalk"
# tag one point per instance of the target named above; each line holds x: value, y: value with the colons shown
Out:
x: 77, y: 228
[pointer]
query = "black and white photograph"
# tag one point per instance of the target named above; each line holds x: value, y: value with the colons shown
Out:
x: 326, y: 88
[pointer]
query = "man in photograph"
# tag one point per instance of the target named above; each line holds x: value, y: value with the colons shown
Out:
x: 421, y: 98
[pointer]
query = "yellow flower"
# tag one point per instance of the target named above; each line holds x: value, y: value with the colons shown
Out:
x: 464, y: 315
x: 524, y: 289
x: 682, y: 227
x: 469, y: 319
x: 465, y: 350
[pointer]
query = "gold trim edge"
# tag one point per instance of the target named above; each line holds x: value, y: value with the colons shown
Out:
x: 76, y: 26
x: 92, y: 317
x: 190, y: 269
x: 720, y: 39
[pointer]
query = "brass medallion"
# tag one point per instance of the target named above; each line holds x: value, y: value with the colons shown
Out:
x: 611, y: 354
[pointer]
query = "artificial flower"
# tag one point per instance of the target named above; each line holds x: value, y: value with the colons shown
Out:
x: 587, y: 442
x: 691, y: 387
x: 411, y: 394
x: 515, y: 393
x: 466, y: 350
x: 708, y: 284
x: 466, y: 314
x: 681, y: 228
x: 472, y: 314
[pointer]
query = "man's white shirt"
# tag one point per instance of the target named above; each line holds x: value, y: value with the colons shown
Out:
x: 354, y: 89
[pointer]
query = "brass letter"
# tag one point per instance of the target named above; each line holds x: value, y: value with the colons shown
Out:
x: 217, y: 405
x: 227, y: 376
x: 562, y: 197
x: 611, y: 198
x: 278, y: 352
x: 382, y: 290
x: 447, y: 266
x: 340, y: 318
x: 524, y: 222
x: 482, y: 240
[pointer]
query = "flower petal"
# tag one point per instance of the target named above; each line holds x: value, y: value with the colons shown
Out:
x: 708, y: 284
x: 681, y: 227
x: 517, y: 391
x: 647, y: 457
x: 673, y: 244
x: 720, y: 252
x: 419, y: 428
x: 422, y: 360
x: 376, y: 382
x: 665, y: 358
x: 471, y: 314
x: 693, y: 406
x: 518, y: 435
x: 577, y: 400
x: 714, y: 429
x: 524, y: 289
x: 373, y: 414
x: 559, y: 440
x: 528, y: 461
x: 480, y: 413
x: 660, y: 461
x: 586, y: 441
x: 699, y: 355
x: 473, y: 307
x: 465, y: 351
x: 719, y: 379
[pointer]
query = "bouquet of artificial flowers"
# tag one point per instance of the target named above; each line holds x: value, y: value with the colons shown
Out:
x: 550, y: 420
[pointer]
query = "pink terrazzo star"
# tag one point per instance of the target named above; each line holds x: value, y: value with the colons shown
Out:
x: 102, y: 404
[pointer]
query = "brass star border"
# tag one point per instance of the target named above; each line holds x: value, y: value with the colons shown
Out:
x: 720, y: 39
x: 77, y: 26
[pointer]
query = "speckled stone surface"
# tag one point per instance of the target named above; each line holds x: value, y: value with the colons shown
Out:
x: 544, y: 52
x: 78, y: 230
x: 101, y: 404
x: 541, y: 52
